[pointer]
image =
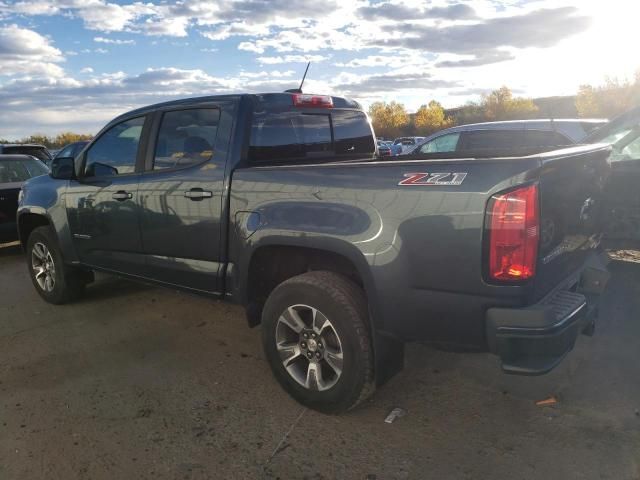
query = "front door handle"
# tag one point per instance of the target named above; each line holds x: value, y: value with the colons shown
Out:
x: 121, y: 196
x: 198, y: 194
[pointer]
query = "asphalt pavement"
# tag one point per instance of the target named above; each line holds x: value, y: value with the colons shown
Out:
x: 138, y: 382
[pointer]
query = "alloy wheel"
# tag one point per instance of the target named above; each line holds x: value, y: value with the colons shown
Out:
x: 44, y: 269
x: 309, y: 347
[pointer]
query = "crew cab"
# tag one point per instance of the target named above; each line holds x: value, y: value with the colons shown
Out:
x: 279, y: 203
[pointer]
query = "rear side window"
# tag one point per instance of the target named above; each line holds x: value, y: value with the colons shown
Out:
x: 539, y: 138
x: 186, y: 137
x: 295, y: 135
x: 444, y: 143
x: 490, y: 139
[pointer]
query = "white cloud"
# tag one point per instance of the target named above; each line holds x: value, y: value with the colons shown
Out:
x: 113, y: 41
x: 407, y: 50
x: 292, y: 59
x: 24, y: 51
x: 86, y: 70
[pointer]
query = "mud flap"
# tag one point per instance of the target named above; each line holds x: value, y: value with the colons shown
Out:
x: 389, y: 357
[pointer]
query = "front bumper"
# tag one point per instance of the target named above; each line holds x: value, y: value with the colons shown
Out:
x: 533, y: 340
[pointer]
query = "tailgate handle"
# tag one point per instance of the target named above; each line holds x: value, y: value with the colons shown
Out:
x: 198, y: 194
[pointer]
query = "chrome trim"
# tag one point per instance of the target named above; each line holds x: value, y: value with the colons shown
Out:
x: 553, y: 326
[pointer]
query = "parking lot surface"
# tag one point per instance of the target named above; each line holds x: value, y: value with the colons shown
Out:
x: 140, y: 382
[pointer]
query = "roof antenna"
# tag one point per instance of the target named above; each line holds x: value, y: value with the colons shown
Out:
x: 299, y: 89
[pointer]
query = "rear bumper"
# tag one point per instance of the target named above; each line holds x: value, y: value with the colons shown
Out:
x: 535, y: 339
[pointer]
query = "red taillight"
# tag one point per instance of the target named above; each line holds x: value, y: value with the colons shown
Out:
x: 514, y: 232
x: 304, y: 100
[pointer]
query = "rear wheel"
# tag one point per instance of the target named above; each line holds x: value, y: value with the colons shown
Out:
x: 53, y: 280
x: 317, y: 341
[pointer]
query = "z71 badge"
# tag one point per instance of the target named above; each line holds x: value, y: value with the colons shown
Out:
x: 433, y: 179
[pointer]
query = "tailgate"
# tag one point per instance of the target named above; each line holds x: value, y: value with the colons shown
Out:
x: 571, y: 212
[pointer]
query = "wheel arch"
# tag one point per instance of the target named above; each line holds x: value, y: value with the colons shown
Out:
x: 28, y: 221
x: 290, y: 258
x: 272, y: 261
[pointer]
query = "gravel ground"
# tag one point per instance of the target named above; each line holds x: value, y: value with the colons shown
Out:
x: 140, y: 382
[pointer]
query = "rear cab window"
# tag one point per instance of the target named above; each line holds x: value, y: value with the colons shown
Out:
x: 303, y: 134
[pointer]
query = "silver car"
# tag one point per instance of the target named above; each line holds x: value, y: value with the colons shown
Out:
x: 514, y: 135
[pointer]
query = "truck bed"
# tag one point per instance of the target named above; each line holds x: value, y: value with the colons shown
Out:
x: 416, y: 229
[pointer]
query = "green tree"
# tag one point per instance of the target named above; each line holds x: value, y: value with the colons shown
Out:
x: 65, y: 138
x: 502, y: 105
x: 610, y: 99
x: 431, y: 118
x: 388, y: 119
x: 39, y: 139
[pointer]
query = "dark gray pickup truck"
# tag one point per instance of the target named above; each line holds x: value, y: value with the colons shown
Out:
x: 278, y: 202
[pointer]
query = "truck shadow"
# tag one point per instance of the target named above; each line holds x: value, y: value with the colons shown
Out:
x: 10, y: 249
x: 110, y: 286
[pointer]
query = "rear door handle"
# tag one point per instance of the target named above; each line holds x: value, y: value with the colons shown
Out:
x: 121, y: 196
x: 198, y: 194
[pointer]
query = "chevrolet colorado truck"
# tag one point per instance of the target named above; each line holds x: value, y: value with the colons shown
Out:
x: 279, y: 203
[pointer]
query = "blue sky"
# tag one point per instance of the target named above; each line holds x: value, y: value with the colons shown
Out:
x: 73, y: 64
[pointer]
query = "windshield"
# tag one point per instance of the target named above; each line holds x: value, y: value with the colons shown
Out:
x: 17, y: 171
x: 617, y: 129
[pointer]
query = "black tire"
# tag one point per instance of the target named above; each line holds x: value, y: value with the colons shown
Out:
x: 343, y: 303
x: 68, y: 282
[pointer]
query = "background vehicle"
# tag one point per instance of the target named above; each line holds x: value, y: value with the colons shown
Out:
x: 71, y: 150
x: 395, y: 149
x: 622, y: 192
x: 510, y: 137
x: 14, y: 171
x: 408, y: 143
x: 35, y: 150
x: 277, y: 202
x: 383, y: 149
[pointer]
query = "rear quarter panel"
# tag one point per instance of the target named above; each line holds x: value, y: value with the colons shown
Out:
x: 418, y: 248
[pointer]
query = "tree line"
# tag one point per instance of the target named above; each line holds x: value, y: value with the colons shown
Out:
x: 52, y: 142
x: 391, y: 119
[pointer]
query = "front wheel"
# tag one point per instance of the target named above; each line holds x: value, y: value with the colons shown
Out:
x: 54, y: 281
x: 317, y: 341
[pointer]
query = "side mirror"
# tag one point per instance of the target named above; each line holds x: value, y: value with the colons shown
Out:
x: 63, y: 168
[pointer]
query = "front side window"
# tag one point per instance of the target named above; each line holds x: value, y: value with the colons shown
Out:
x: 444, y: 143
x: 115, y: 152
x: 186, y: 137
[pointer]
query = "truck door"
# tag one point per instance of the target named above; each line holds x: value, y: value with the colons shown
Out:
x: 181, y: 195
x: 102, y: 204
